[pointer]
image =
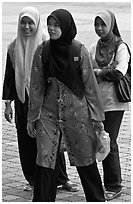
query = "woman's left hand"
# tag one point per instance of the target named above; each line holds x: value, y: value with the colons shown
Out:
x: 98, y: 126
x: 31, y: 128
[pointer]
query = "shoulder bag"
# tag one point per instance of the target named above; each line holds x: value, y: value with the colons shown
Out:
x: 123, y: 86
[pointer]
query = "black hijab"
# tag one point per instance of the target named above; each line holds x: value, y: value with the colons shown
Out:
x: 106, y: 46
x: 60, y: 60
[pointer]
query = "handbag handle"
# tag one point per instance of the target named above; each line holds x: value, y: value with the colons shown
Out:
x: 129, y: 63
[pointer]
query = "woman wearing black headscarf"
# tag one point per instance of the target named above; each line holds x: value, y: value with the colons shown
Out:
x: 110, y: 59
x: 64, y: 105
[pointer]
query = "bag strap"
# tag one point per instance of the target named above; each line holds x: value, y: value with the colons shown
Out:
x: 76, y: 46
x: 129, y: 63
x: 76, y: 51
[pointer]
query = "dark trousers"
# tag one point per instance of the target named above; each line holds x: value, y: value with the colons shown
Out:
x: 27, y: 153
x: 26, y: 144
x: 46, y: 184
x: 45, y: 187
x: 111, y: 164
x: 62, y: 174
x: 46, y: 181
x: 91, y: 182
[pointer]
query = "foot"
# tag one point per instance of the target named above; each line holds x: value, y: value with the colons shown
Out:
x: 70, y: 186
x: 28, y: 187
x: 110, y: 195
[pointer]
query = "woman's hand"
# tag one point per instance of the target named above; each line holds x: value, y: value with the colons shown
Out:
x: 98, y: 127
x: 8, y: 112
x: 97, y: 71
x: 31, y: 128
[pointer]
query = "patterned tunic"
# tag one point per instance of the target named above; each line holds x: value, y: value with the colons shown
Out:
x: 58, y: 112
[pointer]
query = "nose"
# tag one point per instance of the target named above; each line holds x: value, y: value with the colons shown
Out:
x: 51, y: 27
x: 99, y: 27
x: 27, y: 25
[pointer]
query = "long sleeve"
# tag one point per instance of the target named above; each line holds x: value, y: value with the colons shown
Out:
x: 114, y: 71
x: 91, y: 87
x: 37, y: 87
x: 9, y: 89
x: 122, y: 58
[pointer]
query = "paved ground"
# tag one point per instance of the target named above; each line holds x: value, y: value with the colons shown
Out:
x: 12, y: 177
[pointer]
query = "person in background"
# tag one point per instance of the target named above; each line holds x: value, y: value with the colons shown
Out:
x: 109, y: 58
x: 20, y: 53
x: 64, y: 104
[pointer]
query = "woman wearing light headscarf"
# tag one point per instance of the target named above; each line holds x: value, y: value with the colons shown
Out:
x: 110, y: 57
x: 64, y: 103
x: 16, y: 85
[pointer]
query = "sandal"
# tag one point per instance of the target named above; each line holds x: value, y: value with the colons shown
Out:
x: 109, y: 195
x: 70, y: 186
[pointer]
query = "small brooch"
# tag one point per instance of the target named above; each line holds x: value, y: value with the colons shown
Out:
x: 76, y: 59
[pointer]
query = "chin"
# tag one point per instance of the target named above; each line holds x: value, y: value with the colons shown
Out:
x: 28, y: 34
x: 53, y: 38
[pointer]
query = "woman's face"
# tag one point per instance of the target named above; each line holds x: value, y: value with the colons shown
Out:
x: 100, y: 28
x: 27, y: 26
x: 53, y: 29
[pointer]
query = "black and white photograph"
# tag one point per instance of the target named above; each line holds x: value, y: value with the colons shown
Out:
x: 66, y: 101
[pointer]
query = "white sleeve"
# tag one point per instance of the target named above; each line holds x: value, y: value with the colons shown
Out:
x: 122, y: 57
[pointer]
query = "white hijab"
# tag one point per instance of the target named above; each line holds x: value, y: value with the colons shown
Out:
x: 24, y: 51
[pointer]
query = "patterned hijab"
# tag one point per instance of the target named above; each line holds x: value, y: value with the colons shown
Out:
x: 106, y: 46
x: 61, y: 62
x: 24, y: 51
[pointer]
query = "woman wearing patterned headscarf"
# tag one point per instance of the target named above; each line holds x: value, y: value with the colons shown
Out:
x: 16, y: 84
x: 110, y: 59
x: 64, y: 104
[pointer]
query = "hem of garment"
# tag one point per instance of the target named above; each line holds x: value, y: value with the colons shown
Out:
x: 117, y: 109
x: 44, y: 165
x: 83, y: 165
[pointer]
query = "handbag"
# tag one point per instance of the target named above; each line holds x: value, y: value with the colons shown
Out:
x: 123, y: 85
x: 103, y: 146
x: 123, y: 89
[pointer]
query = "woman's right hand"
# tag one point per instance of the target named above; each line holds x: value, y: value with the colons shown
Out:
x: 31, y: 128
x: 8, y: 112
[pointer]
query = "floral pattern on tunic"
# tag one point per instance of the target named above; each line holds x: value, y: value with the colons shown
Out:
x: 62, y: 115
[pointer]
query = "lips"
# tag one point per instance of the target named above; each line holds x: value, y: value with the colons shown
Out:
x: 51, y: 33
x: 27, y: 31
x: 100, y: 33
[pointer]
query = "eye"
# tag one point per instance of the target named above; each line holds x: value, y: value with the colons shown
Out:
x: 22, y: 22
x: 103, y: 24
x: 30, y: 22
